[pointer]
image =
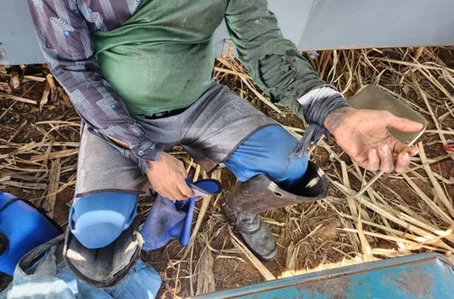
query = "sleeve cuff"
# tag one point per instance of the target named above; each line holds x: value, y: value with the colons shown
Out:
x: 319, y: 103
x: 317, y: 94
x: 146, y: 150
x: 142, y: 161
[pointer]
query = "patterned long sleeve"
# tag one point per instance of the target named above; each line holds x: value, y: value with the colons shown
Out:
x: 65, y: 37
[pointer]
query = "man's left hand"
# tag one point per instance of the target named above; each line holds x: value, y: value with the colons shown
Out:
x: 364, y: 136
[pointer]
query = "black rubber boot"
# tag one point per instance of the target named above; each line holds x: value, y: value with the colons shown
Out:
x: 244, y: 203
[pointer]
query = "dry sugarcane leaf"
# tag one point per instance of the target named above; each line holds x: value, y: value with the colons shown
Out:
x: 18, y: 131
x: 439, y: 191
x: 55, y: 155
x: 15, y: 77
x: 45, y: 97
x: 54, y: 182
x: 252, y: 258
x: 204, y: 270
x: 16, y: 98
x: 53, y: 87
x: 22, y: 185
x: 5, y: 87
x: 205, y: 204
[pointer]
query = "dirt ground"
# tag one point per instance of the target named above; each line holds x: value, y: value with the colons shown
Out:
x: 308, y: 235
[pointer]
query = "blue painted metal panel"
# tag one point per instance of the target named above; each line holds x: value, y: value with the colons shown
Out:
x: 418, y: 276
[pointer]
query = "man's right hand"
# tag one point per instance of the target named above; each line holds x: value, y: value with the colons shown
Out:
x: 167, y: 178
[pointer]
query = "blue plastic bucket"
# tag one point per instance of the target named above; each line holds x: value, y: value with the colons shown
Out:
x: 22, y: 228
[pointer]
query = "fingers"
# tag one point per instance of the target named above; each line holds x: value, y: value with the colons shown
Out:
x: 386, y: 159
x: 170, y: 193
x: 398, y: 158
x: 178, y: 191
x: 402, y: 162
x: 167, y: 177
x: 185, y: 190
x: 373, y: 162
x: 182, y: 186
x: 399, y: 147
x: 412, y: 150
x: 403, y: 124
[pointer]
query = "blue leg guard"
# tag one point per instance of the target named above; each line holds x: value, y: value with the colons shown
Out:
x: 97, y: 220
x: 268, y: 152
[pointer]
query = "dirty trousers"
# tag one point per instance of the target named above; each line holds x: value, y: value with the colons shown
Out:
x: 219, y: 129
x: 42, y: 274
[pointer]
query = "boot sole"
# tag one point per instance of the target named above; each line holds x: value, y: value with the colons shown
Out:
x: 268, y: 258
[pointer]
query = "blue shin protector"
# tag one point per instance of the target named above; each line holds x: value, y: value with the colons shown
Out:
x: 267, y: 152
x: 173, y: 219
x: 102, y: 241
x: 97, y: 220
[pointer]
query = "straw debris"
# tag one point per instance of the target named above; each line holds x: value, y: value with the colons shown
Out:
x: 399, y: 215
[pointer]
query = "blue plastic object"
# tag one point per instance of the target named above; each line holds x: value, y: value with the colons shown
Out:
x: 210, y: 186
x: 96, y: 220
x: 426, y: 275
x: 22, y: 228
x: 167, y: 220
x: 204, y: 187
x: 173, y: 219
x: 267, y: 152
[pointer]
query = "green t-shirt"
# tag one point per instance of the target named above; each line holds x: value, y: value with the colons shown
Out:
x: 162, y: 58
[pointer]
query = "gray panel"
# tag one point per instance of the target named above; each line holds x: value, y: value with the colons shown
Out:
x: 380, y: 23
x: 17, y: 34
x: 221, y: 38
x: 291, y: 14
x: 3, y: 58
x: 311, y: 24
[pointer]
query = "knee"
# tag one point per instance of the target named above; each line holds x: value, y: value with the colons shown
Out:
x: 287, y: 170
x: 97, y: 220
x: 268, y: 152
x: 282, y: 167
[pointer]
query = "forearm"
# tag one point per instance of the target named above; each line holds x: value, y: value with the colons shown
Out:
x: 277, y: 67
x: 104, y: 111
x: 287, y: 77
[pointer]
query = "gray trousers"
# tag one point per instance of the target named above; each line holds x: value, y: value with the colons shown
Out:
x: 209, y: 130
